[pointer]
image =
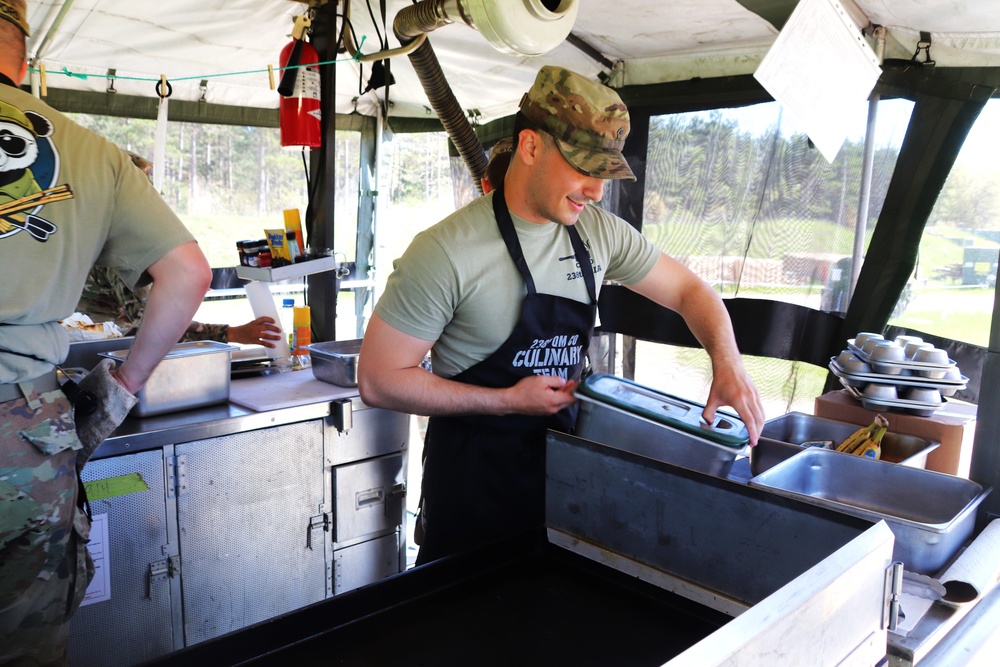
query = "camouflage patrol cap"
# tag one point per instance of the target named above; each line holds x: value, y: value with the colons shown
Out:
x: 16, y: 12
x: 588, y: 120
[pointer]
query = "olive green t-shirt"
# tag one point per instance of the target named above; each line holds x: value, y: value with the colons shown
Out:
x: 69, y: 199
x: 456, y: 283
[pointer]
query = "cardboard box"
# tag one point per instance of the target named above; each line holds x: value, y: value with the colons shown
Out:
x: 954, y: 426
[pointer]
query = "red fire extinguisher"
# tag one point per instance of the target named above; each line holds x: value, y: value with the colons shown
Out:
x: 299, y: 112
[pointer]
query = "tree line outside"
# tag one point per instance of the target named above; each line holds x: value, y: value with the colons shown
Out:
x: 711, y: 187
x: 715, y: 189
x: 229, y: 183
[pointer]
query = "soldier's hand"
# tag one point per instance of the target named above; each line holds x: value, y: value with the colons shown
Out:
x: 541, y: 395
x: 261, y: 331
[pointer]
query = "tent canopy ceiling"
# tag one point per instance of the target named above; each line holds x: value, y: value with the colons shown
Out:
x: 219, y: 51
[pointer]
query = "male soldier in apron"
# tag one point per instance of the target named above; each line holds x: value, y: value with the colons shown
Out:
x: 504, y: 295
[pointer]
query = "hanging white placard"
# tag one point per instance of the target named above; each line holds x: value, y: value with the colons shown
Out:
x: 819, y: 69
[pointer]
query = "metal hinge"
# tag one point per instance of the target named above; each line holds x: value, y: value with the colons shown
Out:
x: 176, y: 475
x: 890, y: 598
x: 161, y: 570
x: 324, y: 520
x: 341, y: 412
x: 395, y: 500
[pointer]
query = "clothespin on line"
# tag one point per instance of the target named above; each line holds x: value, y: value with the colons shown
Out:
x: 270, y: 75
x: 43, y: 87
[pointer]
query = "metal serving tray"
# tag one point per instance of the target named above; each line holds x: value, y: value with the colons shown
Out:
x: 918, y: 408
x: 336, y: 361
x: 191, y: 375
x: 931, y: 514
x: 784, y: 436
x: 919, y: 368
x: 943, y: 384
x: 629, y: 416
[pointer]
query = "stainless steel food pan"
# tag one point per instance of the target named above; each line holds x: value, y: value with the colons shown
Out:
x: 336, y: 361
x: 931, y: 514
x: 623, y: 414
x: 790, y: 431
x: 191, y: 375
x: 769, y: 452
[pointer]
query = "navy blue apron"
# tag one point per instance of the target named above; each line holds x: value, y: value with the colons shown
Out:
x: 484, y: 475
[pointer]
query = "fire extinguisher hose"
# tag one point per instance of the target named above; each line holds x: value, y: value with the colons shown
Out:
x: 287, y: 84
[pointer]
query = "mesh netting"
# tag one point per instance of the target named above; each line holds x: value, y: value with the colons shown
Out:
x: 745, y: 201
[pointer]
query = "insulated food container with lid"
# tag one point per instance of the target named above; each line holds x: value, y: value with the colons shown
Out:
x: 627, y: 415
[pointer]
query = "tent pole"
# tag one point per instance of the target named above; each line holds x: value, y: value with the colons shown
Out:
x: 861, y: 228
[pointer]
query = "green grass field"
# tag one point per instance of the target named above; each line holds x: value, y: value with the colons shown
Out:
x: 958, y: 313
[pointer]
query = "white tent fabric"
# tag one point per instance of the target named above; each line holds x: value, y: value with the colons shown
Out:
x: 230, y: 43
x: 186, y: 41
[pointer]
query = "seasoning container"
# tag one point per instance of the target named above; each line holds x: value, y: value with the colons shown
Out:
x: 264, y: 259
x: 251, y: 252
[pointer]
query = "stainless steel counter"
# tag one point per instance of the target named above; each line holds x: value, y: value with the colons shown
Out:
x: 137, y: 435
x: 294, y: 397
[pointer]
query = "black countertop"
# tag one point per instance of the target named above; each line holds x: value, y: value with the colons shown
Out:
x: 521, y: 601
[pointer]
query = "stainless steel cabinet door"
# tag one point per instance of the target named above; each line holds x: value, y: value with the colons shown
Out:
x: 134, y: 625
x: 374, y: 432
x: 247, y: 550
x: 369, y: 498
x: 365, y: 563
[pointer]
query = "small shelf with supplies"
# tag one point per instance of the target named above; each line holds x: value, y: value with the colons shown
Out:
x: 289, y: 271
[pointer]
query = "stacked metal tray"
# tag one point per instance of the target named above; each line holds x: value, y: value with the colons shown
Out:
x: 904, y: 385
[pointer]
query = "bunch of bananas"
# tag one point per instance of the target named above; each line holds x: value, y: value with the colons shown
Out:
x: 866, y: 441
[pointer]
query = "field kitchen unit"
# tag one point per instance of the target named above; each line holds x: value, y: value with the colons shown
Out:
x: 217, y: 517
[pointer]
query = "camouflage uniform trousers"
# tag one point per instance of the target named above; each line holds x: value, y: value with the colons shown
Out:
x: 44, y: 564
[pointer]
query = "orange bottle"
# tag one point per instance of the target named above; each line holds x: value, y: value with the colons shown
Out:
x: 302, y: 321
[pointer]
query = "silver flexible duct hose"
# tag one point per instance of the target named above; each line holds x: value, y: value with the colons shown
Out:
x: 410, y: 23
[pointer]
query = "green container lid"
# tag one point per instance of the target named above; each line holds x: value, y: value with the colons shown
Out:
x: 727, y: 429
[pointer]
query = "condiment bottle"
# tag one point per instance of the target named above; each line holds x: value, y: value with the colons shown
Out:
x: 288, y: 322
x: 251, y: 251
x: 303, y: 330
